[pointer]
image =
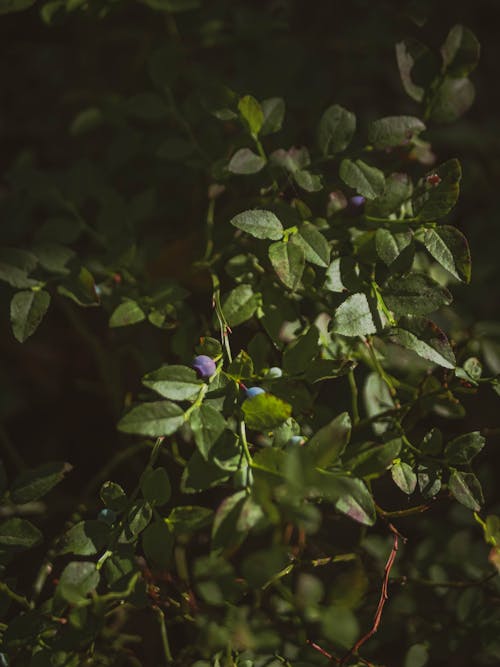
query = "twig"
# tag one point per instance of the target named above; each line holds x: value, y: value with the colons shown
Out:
x: 449, y: 584
x: 384, y: 595
x: 318, y: 648
x: 15, y: 597
x: 163, y: 632
x: 354, y: 396
x: 401, y: 514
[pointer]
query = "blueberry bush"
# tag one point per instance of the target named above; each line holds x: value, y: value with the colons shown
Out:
x: 246, y: 378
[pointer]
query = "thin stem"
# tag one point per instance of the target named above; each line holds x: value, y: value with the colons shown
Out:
x: 449, y: 584
x: 384, y: 596
x: 401, y: 514
x: 380, y: 370
x: 163, y: 633
x: 354, y: 396
x: 210, y: 230
x: 15, y: 597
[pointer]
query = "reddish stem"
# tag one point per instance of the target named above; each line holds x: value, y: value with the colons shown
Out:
x: 384, y: 595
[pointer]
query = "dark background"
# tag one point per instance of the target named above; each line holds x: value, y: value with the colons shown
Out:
x: 62, y: 392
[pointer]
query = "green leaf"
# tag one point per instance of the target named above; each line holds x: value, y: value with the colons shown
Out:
x: 452, y: 99
x: 251, y: 112
x: 368, y: 181
x: 128, y: 312
x: 137, y: 519
x: 154, y: 419
x: 200, y: 475
x: 113, y: 496
x: 326, y: 369
x: 9, y: 6
x: 377, y: 399
x: 261, y: 566
x: 417, y: 656
x: 288, y: 260
x: 224, y: 529
x: 19, y: 534
x: 265, y: 411
x: 208, y: 424
x: 35, y: 483
x: 429, y: 480
x: 461, y: 450
x: 425, y: 339
x: 404, y: 477
x: 449, y: 247
x: 27, y: 310
x: 241, y: 367
x: 240, y: 305
x: 329, y: 443
x: 412, y: 56
x: 300, y: 352
x: 336, y: 129
x: 343, y: 276
x: 437, y: 193
x: 394, y: 131
x: 349, y: 495
x: 273, y: 110
x: 371, y: 462
x: 398, y: 190
x: 356, y: 316
x: 339, y: 625
x: 155, y: 486
x: 259, y: 223
x: 53, y: 256
x: 84, y: 538
x: 77, y: 580
x: 158, y: 544
x: 15, y: 265
x: 308, y: 181
x: 178, y: 383
x: 415, y: 294
x: 293, y: 160
x: 189, y: 519
x: 460, y: 52
x: 466, y: 488
x: 80, y: 289
x: 313, y: 243
x: 245, y: 161
x: 390, y: 245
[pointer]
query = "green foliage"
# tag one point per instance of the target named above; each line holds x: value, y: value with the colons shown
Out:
x: 256, y: 529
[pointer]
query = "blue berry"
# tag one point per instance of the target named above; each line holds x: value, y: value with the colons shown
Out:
x: 274, y: 372
x: 357, y: 200
x: 204, y: 366
x: 254, y: 391
x: 296, y: 440
x: 106, y: 515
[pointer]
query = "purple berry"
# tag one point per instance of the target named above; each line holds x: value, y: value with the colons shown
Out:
x: 357, y: 200
x: 204, y: 366
x: 254, y: 391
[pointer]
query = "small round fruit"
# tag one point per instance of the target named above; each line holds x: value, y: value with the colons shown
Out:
x: 274, y: 372
x: 357, y: 201
x: 107, y: 515
x: 254, y: 391
x: 204, y: 366
x: 296, y: 440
